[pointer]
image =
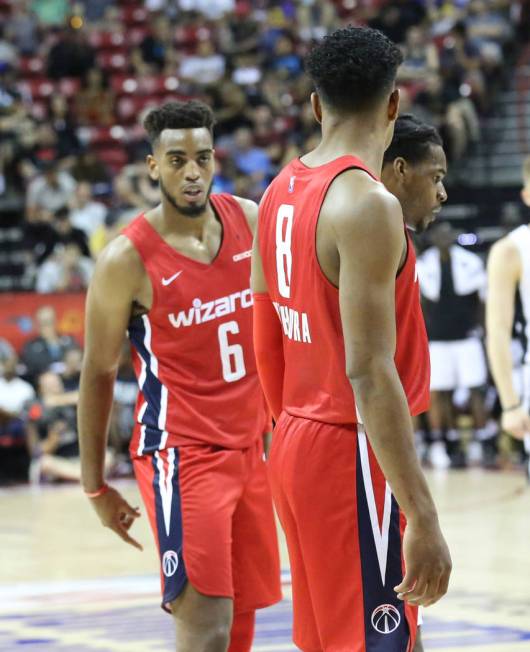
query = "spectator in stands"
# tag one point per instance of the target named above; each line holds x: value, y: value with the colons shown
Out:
x: 135, y: 188
x: 8, y: 53
x: 66, y: 270
x: 284, y: 60
x: 420, y: 57
x: 155, y: 46
x: 88, y: 167
x: 71, y: 56
x: 489, y: 29
x: 6, y: 353
x: 61, y: 118
x: 86, y: 214
x: 71, y: 373
x: 47, y: 349
x: 94, y: 104
x: 452, y: 282
x: 15, y: 393
x: 66, y: 232
x: 249, y: 159
x: 204, y: 67
x: 52, y: 432
x: 49, y: 192
x: 23, y: 28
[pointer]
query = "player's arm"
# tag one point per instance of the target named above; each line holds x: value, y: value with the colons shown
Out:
x: 268, y: 340
x: 504, y: 272
x: 370, y: 241
x: 108, y: 309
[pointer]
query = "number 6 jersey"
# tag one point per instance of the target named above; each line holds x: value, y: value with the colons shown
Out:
x: 192, y: 351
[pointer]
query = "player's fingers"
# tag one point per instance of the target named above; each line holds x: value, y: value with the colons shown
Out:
x: 407, y: 584
x: 123, y: 534
x: 417, y: 595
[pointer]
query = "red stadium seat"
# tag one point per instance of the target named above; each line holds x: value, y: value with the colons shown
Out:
x: 112, y: 61
x: 108, y: 41
x: 69, y: 86
x: 40, y: 88
x: 102, y: 137
x: 134, y: 15
x: 150, y: 86
x: 31, y: 67
x: 115, y: 157
x: 129, y: 107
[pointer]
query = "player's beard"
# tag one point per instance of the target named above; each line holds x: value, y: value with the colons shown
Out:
x: 187, y: 211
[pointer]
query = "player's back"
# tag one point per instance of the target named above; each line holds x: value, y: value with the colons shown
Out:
x: 315, y: 382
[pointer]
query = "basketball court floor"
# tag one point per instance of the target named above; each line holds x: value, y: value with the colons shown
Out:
x: 67, y: 584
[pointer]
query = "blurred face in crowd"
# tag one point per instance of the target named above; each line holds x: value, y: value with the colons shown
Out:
x: 83, y: 193
x: 50, y: 384
x: 418, y: 186
x: 10, y: 367
x: 183, y: 164
x: 46, y: 319
x: 243, y: 139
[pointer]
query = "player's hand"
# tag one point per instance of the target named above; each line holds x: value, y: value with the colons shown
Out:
x: 516, y: 422
x: 116, y: 513
x: 427, y: 565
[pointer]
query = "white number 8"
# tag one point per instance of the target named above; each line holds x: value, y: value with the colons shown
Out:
x: 284, y: 258
x: 231, y: 354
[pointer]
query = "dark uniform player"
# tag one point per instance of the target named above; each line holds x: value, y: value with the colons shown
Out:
x: 343, y: 356
x: 178, y: 281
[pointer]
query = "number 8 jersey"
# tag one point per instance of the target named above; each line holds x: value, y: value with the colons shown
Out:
x: 315, y: 383
x: 192, y: 352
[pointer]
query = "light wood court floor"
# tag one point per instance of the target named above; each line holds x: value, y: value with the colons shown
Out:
x: 68, y: 584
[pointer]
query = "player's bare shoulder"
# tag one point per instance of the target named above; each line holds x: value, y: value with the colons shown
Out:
x: 250, y: 208
x: 119, y: 268
x: 358, y: 207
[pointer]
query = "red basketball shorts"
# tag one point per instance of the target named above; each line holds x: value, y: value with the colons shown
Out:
x: 211, y: 512
x: 344, y: 533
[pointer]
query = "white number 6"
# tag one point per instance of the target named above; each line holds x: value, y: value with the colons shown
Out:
x: 231, y: 354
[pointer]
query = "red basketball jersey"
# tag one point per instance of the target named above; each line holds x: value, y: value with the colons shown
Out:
x: 315, y: 384
x: 192, y: 351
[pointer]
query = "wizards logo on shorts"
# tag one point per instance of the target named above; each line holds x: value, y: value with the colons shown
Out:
x: 170, y: 563
x: 386, y: 619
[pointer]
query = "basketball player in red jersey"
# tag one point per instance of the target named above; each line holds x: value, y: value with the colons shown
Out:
x: 343, y: 356
x: 177, y: 280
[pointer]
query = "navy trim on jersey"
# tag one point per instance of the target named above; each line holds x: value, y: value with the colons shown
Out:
x: 152, y: 390
x: 169, y: 523
x: 377, y: 597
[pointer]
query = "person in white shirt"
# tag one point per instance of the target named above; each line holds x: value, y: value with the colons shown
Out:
x: 85, y: 213
x: 14, y: 392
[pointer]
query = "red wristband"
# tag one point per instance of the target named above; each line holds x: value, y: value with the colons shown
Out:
x: 96, y: 494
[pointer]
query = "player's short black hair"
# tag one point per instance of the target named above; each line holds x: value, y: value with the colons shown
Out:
x: 352, y: 68
x: 178, y: 115
x: 412, y: 140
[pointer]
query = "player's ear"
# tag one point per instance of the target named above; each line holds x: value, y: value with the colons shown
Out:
x: 152, y: 166
x: 525, y: 196
x: 317, y: 107
x: 400, y: 168
x: 393, y: 105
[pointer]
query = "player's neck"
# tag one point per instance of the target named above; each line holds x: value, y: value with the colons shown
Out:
x: 352, y: 137
x: 167, y: 220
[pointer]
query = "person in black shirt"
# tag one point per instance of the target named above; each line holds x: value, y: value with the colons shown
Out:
x: 451, y: 281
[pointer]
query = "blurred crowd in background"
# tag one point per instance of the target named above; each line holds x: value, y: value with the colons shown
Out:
x: 77, y: 78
